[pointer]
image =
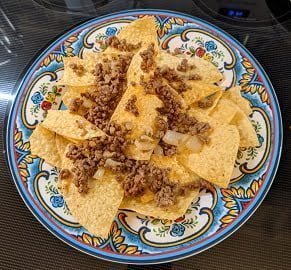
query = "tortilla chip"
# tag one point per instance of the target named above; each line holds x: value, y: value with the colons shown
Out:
x: 215, y: 99
x: 215, y: 161
x: 151, y: 209
x: 142, y: 30
x: 73, y: 92
x: 62, y: 144
x: 88, y: 63
x: 42, y: 144
x: 70, y: 125
x: 248, y: 135
x: 71, y: 78
x: 198, y: 91
x: 224, y: 111
x: 234, y: 94
x: 206, y: 70
x: 96, y: 209
x: 142, y: 124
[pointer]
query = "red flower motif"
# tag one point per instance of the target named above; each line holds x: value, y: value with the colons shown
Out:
x: 179, y: 219
x: 200, y: 51
x: 46, y: 105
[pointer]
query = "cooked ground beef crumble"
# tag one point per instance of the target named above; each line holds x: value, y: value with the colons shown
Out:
x: 131, y: 106
x: 121, y: 44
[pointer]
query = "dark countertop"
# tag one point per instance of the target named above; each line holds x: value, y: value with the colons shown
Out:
x: 264, y: 242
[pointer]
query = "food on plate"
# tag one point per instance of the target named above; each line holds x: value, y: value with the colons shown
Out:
x: 144, y: 130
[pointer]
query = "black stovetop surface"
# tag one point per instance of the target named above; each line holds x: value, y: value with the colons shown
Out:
x: 262, y: 243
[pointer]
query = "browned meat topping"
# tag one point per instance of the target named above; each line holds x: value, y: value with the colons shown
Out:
x: 133, y: 83
x: 176, y: 51
x: 184, y: 189
x: 111, y: 84
x: 78, y: 69
x: 194, y: 77
x: 183, y: 66
x: 168, y: 73
x: 121, y: 44
x: 75, y: 105
x: 168, y: 149
x: 147, y: 58
x: 161, y: 127
x: 64, y: 173
x: 165, y: 196
x: 131, y: 106
x: 205, y: 103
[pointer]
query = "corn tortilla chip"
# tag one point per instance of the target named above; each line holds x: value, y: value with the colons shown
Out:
x: 199, y: 90
x: 142, y: 30
x: 42, y: 144
x: 216, y: 160
x: 248, y: 135
x: 151, y: 209
x: 142, y: 124
x: 70, y: 125
x: 215, y: 99
x: 73, y: 92
x: 224, y: 111
x: 62, y: 146
x: 234, y: 94
x: 206, y: 70
x: 87, y: 78
x: 96, y: 209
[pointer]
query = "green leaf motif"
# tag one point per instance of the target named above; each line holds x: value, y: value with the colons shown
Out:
x: 162, y: 231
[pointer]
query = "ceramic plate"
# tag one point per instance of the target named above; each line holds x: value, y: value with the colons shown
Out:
x: 135, y: 238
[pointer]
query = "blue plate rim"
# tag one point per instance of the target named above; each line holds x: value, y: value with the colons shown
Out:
x: 160, y: 257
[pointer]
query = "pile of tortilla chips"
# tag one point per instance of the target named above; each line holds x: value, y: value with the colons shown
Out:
x: 228, y: 118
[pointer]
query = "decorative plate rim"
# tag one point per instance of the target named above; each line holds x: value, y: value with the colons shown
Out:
x: 178, y: 253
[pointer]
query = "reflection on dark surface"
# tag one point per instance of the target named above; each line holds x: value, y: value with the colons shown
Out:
x: 263, y: 243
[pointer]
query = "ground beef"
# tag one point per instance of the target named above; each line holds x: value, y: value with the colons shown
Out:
x: 131, y: 106
x: 64, y: 173
x: 184, y: 189
x: 75, y: 105
x: 121, y: 44
x: 111, y: 84
x: 176, y: 51
x: 194, y: 77
x: 203, y: 138
x: 205, y: 103
x: 134, y: 185
x: 78, y: 69
x: 168, y: 73
x: 161, y: 126
x: 165, y: 196
x: 168, y: 149
x: 183, y: 66
x: 147, y: 58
